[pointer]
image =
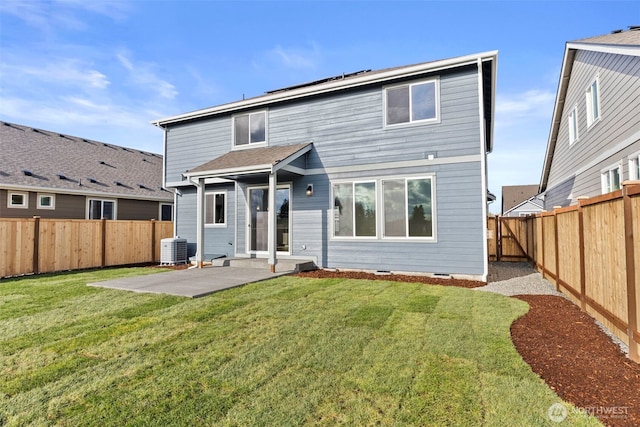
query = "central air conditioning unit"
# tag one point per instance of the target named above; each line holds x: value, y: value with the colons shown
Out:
x: 173, y: 251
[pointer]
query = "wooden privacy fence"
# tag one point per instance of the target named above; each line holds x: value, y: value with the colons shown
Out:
x: 591, y: 252
x: 35, y: 245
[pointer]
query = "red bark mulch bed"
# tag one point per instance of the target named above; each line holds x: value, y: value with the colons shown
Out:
x: 564, y: 346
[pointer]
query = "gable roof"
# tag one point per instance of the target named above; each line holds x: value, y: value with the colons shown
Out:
x: 39, y: 160
x: 358, y: 79
x: 618, y: 42
x: 513, y: 195
x: 250, y: 161
x: 533, y: 200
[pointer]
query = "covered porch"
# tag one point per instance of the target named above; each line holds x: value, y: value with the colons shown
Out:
x: 263, y: 165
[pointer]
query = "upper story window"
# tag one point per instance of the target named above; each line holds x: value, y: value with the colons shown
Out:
x: 18, y: 200
x: 593, y: 102
x: 573, y: 125
x: 215, y: 213
x: 250, y: 129
x: 409, y: 103
x: 611, y: 179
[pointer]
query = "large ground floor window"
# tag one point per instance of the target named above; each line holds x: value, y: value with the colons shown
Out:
x: 392, y: 208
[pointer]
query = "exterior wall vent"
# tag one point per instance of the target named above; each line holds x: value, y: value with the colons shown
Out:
x: 173, y: 251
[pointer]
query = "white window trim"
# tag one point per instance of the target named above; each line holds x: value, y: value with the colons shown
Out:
x: 250, y: 145
x: 634, y: 160
x: 217, y: 224
x: 604, y: 175
x: 408, y: 238
x: 436, y: 119
x: 353, y: 183
x: 53, y: 201
x: 573, y: 119
x: 25, y: 199
x: 88, y: 206
x: 591, y: 121
x: 160, y: 211
x: 380, y: 211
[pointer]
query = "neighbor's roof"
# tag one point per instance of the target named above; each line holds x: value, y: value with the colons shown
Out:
x: 513, y: 195
x: 618, y: 42
x: 39, y: 160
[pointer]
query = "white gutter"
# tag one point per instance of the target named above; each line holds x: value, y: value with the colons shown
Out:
x: 53, y: 190
x: 369, y: 78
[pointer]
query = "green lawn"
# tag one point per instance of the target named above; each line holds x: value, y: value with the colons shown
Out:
x: 288, y: 351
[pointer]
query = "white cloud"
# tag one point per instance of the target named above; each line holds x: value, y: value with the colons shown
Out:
x: 297, y: 58
x: 143, y: 75
x: 534, y: 102
x: 62, y: 71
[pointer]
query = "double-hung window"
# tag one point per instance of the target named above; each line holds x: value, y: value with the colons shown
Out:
x: 215, y: 205
x: 409, y: 103
x: 408, y: 208
x: 592, y: 96
x: 354, y: 209
x: 102, y: 209
x: 250, y: 129
x: 611, y: 179
x: 573, y: 125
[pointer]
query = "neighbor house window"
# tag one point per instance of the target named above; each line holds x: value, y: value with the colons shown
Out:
x: 354, y: 209
x: 166, y: 212
x: 634, y: 167
x: 250, y: 129
x: 417, y: 102
x: 215, y: 205
x: 102, y: 209
x: 593, y: 101
x: 611, y: 179
x: 408, y: 208
x: 46, y: 201
x: 573, y: 125
x: 18, y: 200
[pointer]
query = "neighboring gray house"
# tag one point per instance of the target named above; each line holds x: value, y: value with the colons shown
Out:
x: 375, y: 170
x: 52, y: 175
x: 531, y: 206
x: 594, y: 143
x: 515, y: 195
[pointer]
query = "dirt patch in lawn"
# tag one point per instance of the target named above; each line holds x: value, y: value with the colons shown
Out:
x: 322, y: 274
x: 578, y: 360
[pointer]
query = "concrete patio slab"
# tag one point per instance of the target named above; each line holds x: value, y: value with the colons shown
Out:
x: 193, y: 282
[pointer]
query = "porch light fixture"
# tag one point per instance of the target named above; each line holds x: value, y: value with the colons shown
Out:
x: 309, y: 190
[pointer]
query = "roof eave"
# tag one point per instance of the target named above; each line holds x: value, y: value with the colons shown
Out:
x: 330, y: 87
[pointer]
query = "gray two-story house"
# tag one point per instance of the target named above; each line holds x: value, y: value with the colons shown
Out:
x: 594, y: 142
x: 375, y: 170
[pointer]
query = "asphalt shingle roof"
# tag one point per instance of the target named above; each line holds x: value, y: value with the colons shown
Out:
x: 89, y: 166
x: 629, y: 37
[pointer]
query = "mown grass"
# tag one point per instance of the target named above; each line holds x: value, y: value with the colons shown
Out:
x: 288, y: 351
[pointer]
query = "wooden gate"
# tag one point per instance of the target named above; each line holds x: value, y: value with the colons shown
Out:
x: 510, y: 238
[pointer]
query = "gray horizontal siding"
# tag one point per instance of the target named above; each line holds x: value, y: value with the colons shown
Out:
x: 619, y: 77
x: 217, y: 240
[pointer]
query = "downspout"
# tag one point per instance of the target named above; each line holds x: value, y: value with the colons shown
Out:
x: 483, y: 167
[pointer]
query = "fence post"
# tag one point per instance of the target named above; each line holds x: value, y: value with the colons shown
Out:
x: 103, y: 229
x: 583, y: 279
x: 153, y: 240
x: 632, y: 308
x: 36, y: 245
x: 555, y: 242
x: 542, y: 267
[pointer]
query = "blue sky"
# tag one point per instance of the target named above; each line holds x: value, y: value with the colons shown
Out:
x: 104, y: 69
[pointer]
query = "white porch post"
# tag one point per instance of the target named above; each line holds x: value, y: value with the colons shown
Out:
x: 273, y: 225
x: 200, y: 223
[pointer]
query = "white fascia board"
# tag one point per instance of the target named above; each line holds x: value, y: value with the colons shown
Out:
x: 84, y: 193
x: 230, y: 171
x: 374, y: 77
x: 618, y: 49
